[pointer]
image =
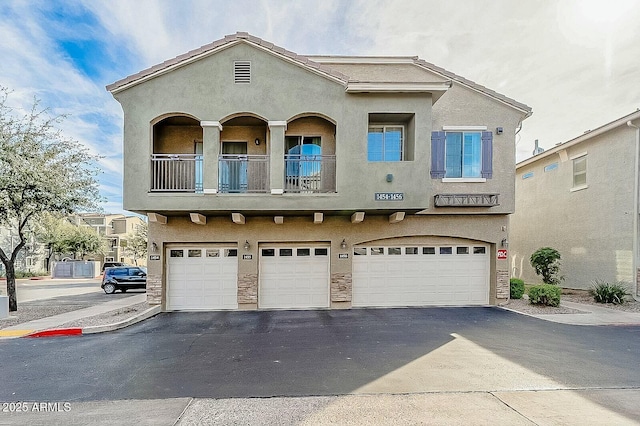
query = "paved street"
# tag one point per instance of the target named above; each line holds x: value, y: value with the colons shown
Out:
x: 314, y: 353
x: 30, y: 290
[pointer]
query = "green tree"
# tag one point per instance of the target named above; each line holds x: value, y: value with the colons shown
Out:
x: 81, y: 241
x: 41, y: 171
x: 136, y: 244
x: 51, y: 230
x: 546, y: 262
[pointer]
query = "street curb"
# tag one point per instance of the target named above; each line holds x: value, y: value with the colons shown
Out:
x: 78, y: 331
x: 55, y: 332
x: 155, y: 310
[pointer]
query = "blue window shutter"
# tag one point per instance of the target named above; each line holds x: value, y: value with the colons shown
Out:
x: 438, y: 169
x: 487, y: 155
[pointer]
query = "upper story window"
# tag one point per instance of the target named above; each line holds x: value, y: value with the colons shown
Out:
x: 391, y: 137
x: 385, y: 143
x: 551, y: 167
x: 462, y: 154
x: 580, y: 172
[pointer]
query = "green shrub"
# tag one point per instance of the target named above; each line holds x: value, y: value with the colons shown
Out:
x: 603, y: 292
x: 29, y: 274
x: 546, y: 262
x: 517, y: 288
x: 545, y: 294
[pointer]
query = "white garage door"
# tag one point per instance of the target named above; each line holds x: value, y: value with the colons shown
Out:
x: 421, y: 275
x: 202, y: 278
x: 294, y: 277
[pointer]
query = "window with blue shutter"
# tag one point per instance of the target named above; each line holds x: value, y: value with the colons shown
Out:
x: 438, y: 169
x: 461, y: 155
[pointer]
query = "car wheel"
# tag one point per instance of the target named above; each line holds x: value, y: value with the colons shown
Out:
x: 109, y: 288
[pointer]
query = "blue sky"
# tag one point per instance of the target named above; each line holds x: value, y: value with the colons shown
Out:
x: 575, y: 62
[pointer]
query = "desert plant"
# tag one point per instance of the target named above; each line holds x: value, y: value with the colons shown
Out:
x: 546, y: 262
x: 545, y: 294
x: 517, y: 288
x: 603, y: 292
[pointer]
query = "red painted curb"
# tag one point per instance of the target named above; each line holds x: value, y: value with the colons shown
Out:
x: 57, y: 332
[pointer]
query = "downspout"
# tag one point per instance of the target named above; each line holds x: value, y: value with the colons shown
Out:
x: 635, y: 209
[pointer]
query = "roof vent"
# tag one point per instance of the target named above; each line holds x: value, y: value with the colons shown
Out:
x: 242, y: 72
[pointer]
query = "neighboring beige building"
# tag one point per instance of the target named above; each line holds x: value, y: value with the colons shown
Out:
x: 276, y: 180
x: 115, y: 229
x: 581, y: 198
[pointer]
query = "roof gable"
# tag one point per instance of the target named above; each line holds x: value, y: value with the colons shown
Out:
x: 324, y: 66
x: 218, y: 45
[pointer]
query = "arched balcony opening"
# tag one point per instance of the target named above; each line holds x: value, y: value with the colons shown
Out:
x: 176, y: 161
x: 243, y: 163
x: 310, y: 160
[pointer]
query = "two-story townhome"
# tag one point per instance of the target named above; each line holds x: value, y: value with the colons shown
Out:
x: 115, y: 229
x: 581, y: 198
x: 276, y: 180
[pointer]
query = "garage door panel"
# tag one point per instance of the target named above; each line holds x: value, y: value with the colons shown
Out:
x: 203, y: 279
x: 295, y: 281
x: 416, y: 278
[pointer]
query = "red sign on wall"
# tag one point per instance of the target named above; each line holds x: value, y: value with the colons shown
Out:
x: 502, y: 254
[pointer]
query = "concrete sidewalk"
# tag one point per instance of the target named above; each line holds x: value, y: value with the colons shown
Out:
x: 51, y: 324
x: 591, y: 315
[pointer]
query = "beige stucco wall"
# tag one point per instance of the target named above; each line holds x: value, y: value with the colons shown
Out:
x: 489, y: 229
x: 593, y: 227
x: 282, y: 91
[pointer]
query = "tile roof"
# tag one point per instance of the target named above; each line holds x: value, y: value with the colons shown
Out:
x: 321, y: 65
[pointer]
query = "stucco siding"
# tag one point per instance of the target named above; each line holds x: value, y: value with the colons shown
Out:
x: 591, y: 227
x: 414, y: 230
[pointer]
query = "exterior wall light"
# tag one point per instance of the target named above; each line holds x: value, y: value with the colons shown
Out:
x: 154, y: 247
x: 504, y: 243
x: 343, y: 244
x: 247, y: 246
x: 257, y: 141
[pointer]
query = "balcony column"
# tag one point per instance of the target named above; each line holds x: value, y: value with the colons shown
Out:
x: 276, y: 155
x: 210, y: 151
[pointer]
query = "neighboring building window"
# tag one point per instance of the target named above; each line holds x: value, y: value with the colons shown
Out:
x: 550, y: 167
x: 242, y: 72
x: 527, y: 175
x: 464, y: 154
x: 580, y: 171
x: 385, y: 143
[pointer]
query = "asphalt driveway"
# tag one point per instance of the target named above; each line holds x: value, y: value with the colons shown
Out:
x: 298, y: 353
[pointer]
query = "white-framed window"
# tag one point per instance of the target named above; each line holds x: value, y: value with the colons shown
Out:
x: 385, y: 143
x: 463, y: 154
x: 580, y: 172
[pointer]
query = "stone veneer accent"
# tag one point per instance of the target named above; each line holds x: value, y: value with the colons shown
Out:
x: 503, y: 288
x: 154, y: 289
x: 248, y: 288
x: 341, y: 287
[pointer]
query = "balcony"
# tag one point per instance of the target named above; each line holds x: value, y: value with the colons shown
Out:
x: 176, y: 173
x: 243, y: 173
x: 310, y: 173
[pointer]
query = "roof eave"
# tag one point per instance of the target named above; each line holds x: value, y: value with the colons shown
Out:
x: 586, y: 136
